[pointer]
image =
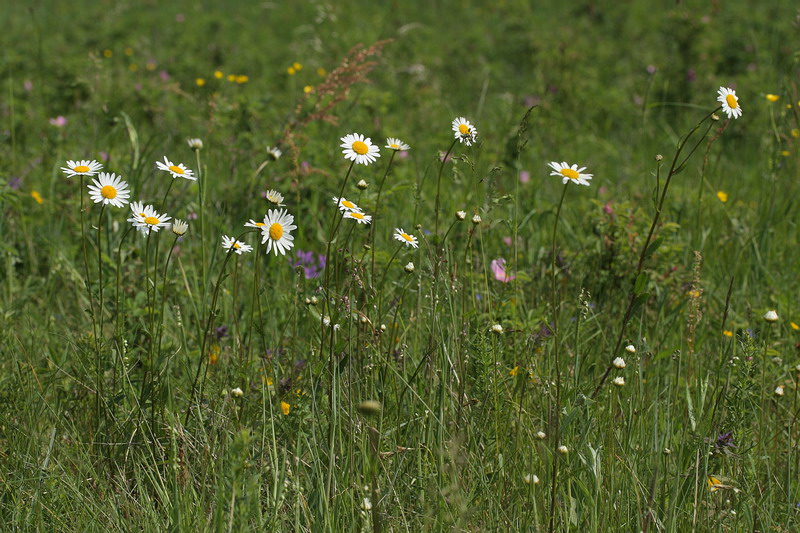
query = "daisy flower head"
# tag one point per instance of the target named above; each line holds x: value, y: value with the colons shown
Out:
x: 346, y: 205
x: 195, y: 144
x: 253, y: 224
x: 405, y: 238
x: 147, y: 219
x: 274, y: 197
x: 178, y: 171
x: 276, y: 231
x: 229, y: 243
x: 109, y: 189
x: 396, y: 144
x: 358, y: 216
x: 567, y: 173
x: 179, y: 227
x: 359, y: 149
x: 83, y: 167
x: 730, y: 102
x: 274, y: 153
x: 464, y: 131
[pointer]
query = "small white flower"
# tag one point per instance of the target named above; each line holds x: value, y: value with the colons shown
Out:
x: 109, y: 189
x: 195, y: 144
x: 570, y: 173
x: 779, y: 390
x: 366, y: 505
x: 229, y: 243
x: 476, y: 219
x: 619, y: 381
x: 84, y: 167
x: 405, y: 238
x: 464, y: 131
x: 179, y: 227
x: 362, y: 185
x: 147, y: 219
x: 630, y: 348
x: 497, y: 328
x: 346, y: 205
x: 527, y: 479
x: 326, y: 321
x: 253, y: 224
x: 563, y: 450
x: 409, y: 267
x: 541, y: 435
x: 358, y: 216
x: 359, y: 149
x: 237, y: 392
x: 274, y: 153
x: 619, y: 362
x: 461, y: 215
x: 730, y: 102
x: 274, y: 197
x: 276, y: 231
x: 178, y: 171
x: 396, y: 144
x: 771, y: 316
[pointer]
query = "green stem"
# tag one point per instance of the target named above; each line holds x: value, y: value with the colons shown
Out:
x: 377, y: 211
x: 439, y: 181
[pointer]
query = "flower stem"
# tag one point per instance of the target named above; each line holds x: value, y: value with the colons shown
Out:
x: 439, y: 182
x: 375, y: 216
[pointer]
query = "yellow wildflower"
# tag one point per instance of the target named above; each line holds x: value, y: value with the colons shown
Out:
x: 308, y: 89
x: 108, y: 53
x: 213, y: 355
x: 714, y: 484
x: 723, y: 196
x: 129, y: 51
x: 242, y: 78
x: 297, y: 66
x: 218, y: 74
x: 321, y: 72
x: 285, y: 407
x: 231, y: 77
x: 514, y: 371
x: 38, y: 197
x: 786, y: 153
x: 200, y: 82
x: 773, y: 97
x: 795, y: 133
x: 794, y: 326
x: 727, y: 333
x: 291, y: 71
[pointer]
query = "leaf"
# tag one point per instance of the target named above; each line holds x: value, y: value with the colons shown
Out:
x: 653, y: 247
x: 641, y: 284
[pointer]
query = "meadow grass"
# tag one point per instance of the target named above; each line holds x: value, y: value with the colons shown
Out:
x: 547, y: 357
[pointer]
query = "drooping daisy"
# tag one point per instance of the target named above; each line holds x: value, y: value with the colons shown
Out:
x: 109, y: 189
x: 274, y: 153
x: 730, y: 102
x: 346, y: 205
x: 276, y: 231
x: 396, y: 144
x: 195, y: 144
x: 359, y: 149
x: 147, y: 219
x: 274, y: 197
x: 178, y: 171
x: 570, y: 173
x: 464, y: 131
x: 359, y: 217
x: 405, y: 238
x: 253, y: 224
x: 83, y: 167
x: 238, y: 246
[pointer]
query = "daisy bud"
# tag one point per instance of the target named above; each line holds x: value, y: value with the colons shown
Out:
x: 409, y: 267
x: 195, y: 144
x: 326, y: 321
x: 314, y: 300
x: 362, y: 185
x: 563, y: 450
x: 418, y: 227
x: 179, y: 227
x: 630, y: 348
x: 619, y: 362
x: 667, y: 451
x: 237, y: 392
x: 366, y: 505
x: 619, y: 381
x: 779, y: 390
x: 308, y: 301
x: 461, y: 215
x: 541, y: 435
x: 476, y: 219
x: 383, y: 327
x: 273, y: 153
x: 771, y: 316
x: 497, y: 328
x: 659, y: 157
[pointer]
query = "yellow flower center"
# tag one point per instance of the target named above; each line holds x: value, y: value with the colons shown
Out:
x: 360, y: 148
x: 569, y: 173
x: 348, y: 204
x: 108, y: 192
x: 395, y: 146
x: 463, y: 129
x: 407, y: 237
x: 81, y: 168
x: 359, y: 216
x: 176, y: 170
x: 142, y: 214
x: 151, y: 220
x: 275, y: 231
x: 260, y: 224
x: 236, y: 245
x: 731, y: 100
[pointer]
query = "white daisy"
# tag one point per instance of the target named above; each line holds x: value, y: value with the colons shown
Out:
x: 178, y: 171
x: 109, y: 189
x: 274, y: 197
x: 730, y: 102
x: 179, y: 227
x: 464, y: 131
x: 147, y: 219
x: 346, y: 205
x: 567, y: 173
x: 276, y: 231
x: 253, y: 224
x: 359, y: 217
x: 238, y: 246
x: 405, y: 238
x: 83, y: 167
x: 274, y: 153
x: 396, y: 144
x: 359, y: 149
x: 195, y: 144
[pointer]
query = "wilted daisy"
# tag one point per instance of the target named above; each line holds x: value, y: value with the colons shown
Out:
x: 497, y: 328
x: 237, y: 246
x: 274, y: 153
x: 274, y: 197
x: 178, y: 171
x: 730, y: 102
x: 359, y: 149
x: 396, y: 144
x: 563, y: 450
x: 179, y: 227
x: 779, y: 390
x: 541, y: 435
x: 405, y: 238
x: 83, y: 167
x: 195, y: 144
x: 567, y: 173
x: 237, y: 392
x: 276, y: 231
x: 359, y: 217
x: 619, y: 381
x: 109, y: 189
x: 630, y: 348
x: 346, y: 205
x: 618, y: 362
x: 147, y: 219
x: 464, y: 131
